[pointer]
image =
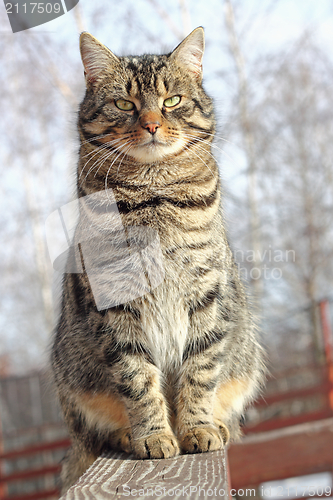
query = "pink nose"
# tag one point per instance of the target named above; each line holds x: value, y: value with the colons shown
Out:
x: 152, y: 127
x: 151, y: 121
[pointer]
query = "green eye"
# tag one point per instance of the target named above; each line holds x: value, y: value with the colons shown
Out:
x: 172, y: 101
x: 124, y: 105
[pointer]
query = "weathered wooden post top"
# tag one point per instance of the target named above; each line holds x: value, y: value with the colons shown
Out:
x: 120, y: 476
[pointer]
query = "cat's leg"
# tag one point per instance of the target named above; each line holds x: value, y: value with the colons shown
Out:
x: 136, y: 379
x: 232, y: 396
x: 121, y: 440
x: 114, y: 391
x: 140, y: 390
x: 134, y: 418
x: 208, y: 409
x: 75, y: 463
x: 196, y: 427
x: 221, y: 366
x: 200, y: 375
x: 89, y: 429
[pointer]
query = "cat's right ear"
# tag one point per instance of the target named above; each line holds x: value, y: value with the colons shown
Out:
x: 96, y: 58
x: 189, y: 52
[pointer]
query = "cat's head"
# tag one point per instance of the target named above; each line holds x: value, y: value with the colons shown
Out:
x: 150, y: 106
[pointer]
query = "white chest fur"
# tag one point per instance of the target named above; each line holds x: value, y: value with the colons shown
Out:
x: 165, y: 323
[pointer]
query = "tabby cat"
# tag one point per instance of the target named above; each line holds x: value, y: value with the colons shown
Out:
x: 171, y: 370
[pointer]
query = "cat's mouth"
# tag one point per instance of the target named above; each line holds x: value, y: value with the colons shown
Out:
x: 153, y: 149
x: 153, y: 142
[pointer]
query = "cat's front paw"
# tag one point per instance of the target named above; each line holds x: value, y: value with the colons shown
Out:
x: 156, y: 446
x: 202, y: 439
x: 122, y: 440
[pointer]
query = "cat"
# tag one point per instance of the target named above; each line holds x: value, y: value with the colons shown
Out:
x: 171, y: 370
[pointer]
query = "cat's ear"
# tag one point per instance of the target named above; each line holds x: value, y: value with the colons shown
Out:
x: 96, y: 57
x: 189, y: 52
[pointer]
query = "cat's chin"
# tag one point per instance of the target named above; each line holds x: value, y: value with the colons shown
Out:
x: 154, y: 152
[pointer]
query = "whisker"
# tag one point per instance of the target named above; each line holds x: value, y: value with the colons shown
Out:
x: 198, y: 139
x: 103, y: 157
x: 100, y: 158
x: 94, y: 152
x: 108, y: 156
x: 94, y: 138
x: 125, y: 153
x: 106, y: 144
x: 101, y: 148
x: 200, y: 158
x: 215, y: 136
x: 203, y: 141
x: 196, y: 142
x: 101, y: 137
x: 107, y: 174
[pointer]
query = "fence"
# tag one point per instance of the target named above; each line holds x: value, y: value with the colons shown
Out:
x: 288, y: 432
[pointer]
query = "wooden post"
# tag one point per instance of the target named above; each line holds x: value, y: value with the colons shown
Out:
x: 119, y: 476
x: 327, y: 334
x: 326, y: 329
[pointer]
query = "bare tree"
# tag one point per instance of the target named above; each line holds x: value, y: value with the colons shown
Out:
x: 246, y: 129
x: 276, y: 110
x: 295, y: 139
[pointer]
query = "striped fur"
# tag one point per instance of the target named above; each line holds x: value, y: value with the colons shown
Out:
x: 172, y: 370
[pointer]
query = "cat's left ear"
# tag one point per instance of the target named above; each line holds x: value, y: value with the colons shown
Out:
x: 96, y: 58
x: 189, y: 52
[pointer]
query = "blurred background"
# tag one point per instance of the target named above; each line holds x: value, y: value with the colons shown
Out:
x: 268, y: 65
